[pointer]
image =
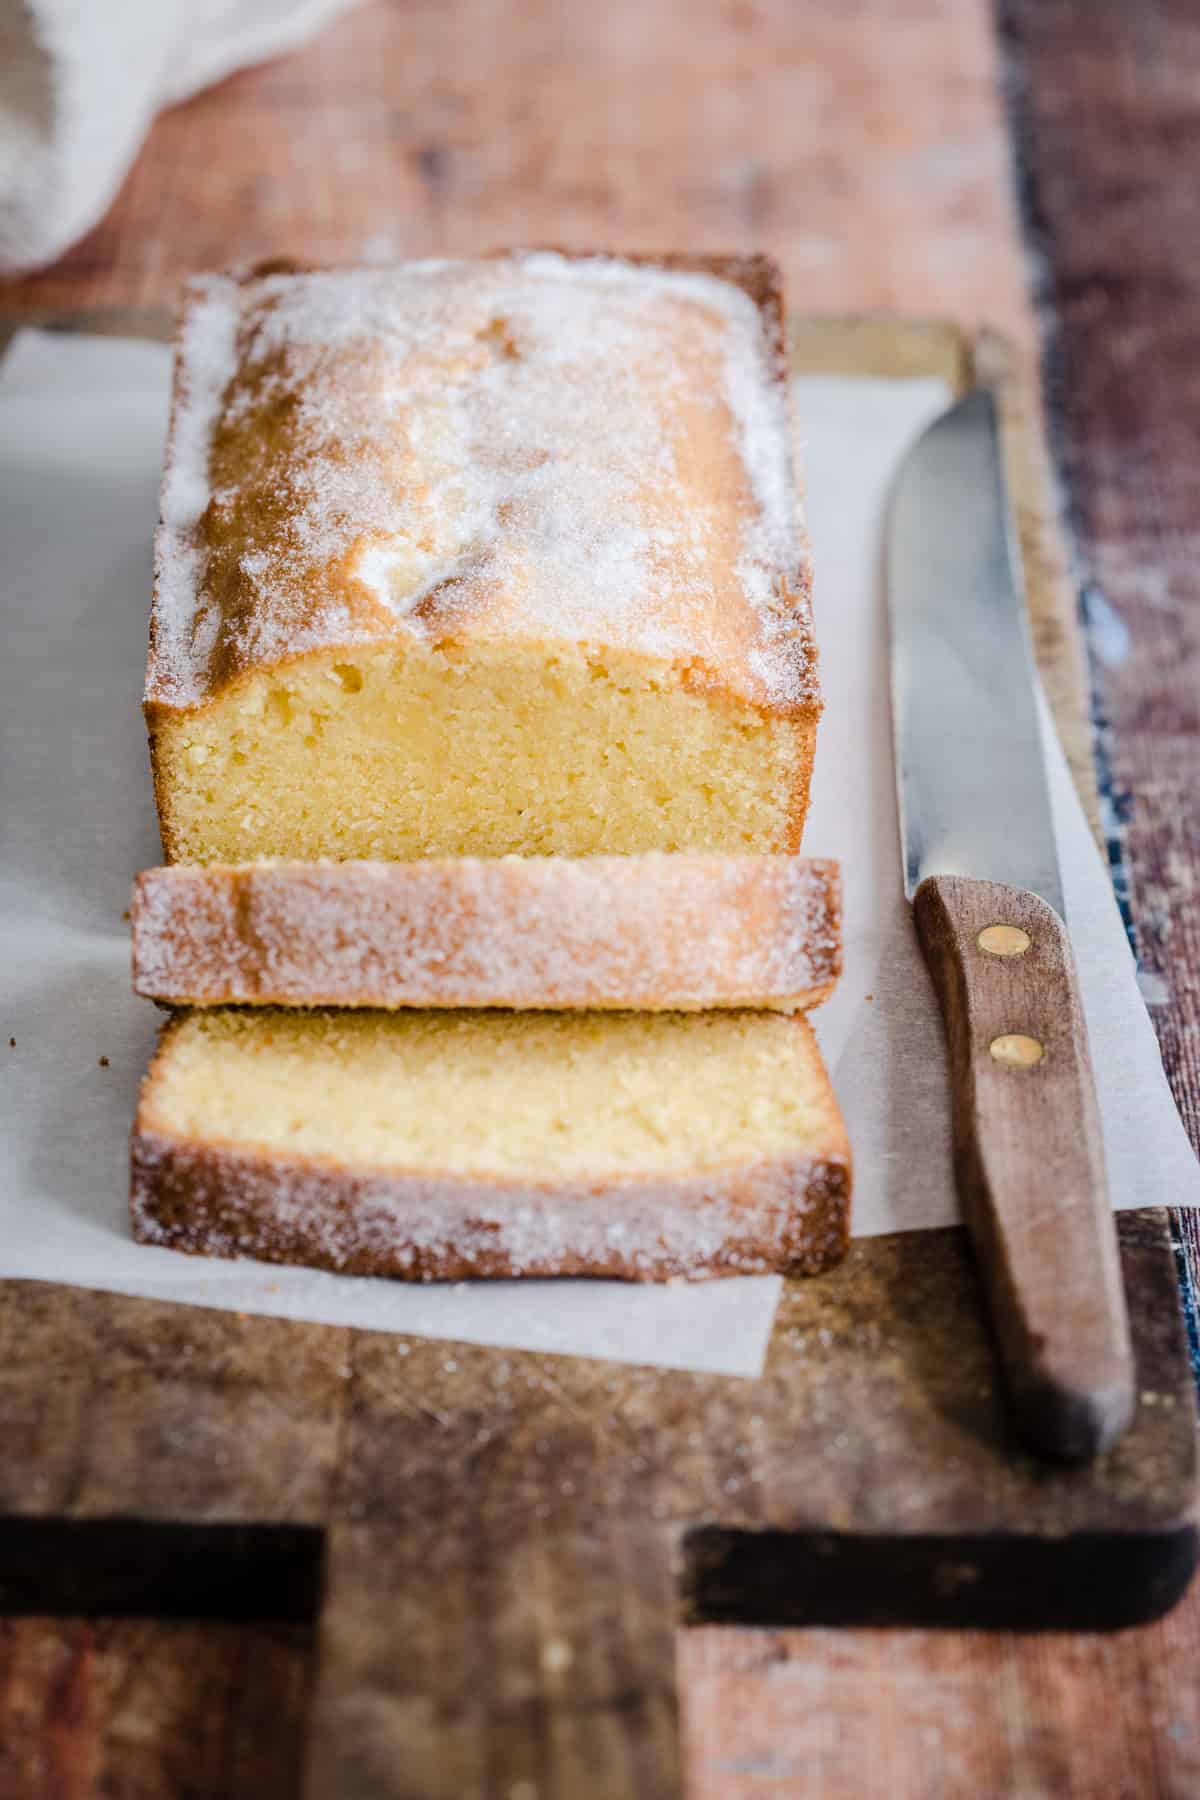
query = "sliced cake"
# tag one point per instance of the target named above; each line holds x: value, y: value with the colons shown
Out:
x: 441, y: 1145
x: 478, y: 558
x: 649, y: 932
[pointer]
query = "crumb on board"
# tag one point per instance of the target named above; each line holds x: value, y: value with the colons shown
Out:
x: 125, y: 915
x: 104, y: 1062
x: 12, y: 1043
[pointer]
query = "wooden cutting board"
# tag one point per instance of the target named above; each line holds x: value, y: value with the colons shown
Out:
x: 498, y: 1545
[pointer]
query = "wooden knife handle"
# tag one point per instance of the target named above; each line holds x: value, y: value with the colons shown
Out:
x: 1029, y: 1160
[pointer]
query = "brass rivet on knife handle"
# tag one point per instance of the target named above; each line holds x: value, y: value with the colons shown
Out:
x: 1004, y: 940
x: 1029, y: 1163
x: 1016, y: 1050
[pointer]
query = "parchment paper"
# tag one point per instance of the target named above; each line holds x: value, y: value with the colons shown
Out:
x: 81, y: 428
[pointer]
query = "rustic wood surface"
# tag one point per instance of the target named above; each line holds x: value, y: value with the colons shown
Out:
x: 501, y: 1558
x: 862, y: 144
x: 884, y: 185
x: 1107, y: 121
x: 504, y: 1535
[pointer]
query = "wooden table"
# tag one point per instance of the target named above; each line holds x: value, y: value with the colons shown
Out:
x: 865, y: 143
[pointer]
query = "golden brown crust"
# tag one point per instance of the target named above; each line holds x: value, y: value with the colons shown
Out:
x: 262, y: 573
x: 759, y: 276
x: 211, y: 1197
x: 160, y: 780
x: 219, y: 1200
x: 806, y: 744
x: 642, y: 932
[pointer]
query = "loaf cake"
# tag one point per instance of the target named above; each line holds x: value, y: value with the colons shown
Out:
x: 484, y: 558
x: 649, y: 932
x: 442, y: 1145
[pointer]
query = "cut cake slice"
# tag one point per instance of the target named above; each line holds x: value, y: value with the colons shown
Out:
x: 441, y: 1145
x: 481, y: 557
x: 652, y: 932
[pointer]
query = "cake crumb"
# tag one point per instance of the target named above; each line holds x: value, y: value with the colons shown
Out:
x: 104, y: 1062
x: 12, y: 1043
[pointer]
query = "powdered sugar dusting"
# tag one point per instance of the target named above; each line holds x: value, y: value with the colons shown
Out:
x: 577, y: 449
x: 187, y: 623
x: 789, y: 1214
x: 647, y: 932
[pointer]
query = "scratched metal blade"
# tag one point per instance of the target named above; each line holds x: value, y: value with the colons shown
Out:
x: 969, y: 768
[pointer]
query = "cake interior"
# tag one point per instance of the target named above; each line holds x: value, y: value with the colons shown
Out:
x: 547, y: 1096
x: 412, y: 750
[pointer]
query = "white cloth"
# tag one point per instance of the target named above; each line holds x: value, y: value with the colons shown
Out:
x: 81, y: 426
x: 80, y: 81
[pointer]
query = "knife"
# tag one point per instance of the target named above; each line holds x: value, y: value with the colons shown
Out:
x: 981, y: 870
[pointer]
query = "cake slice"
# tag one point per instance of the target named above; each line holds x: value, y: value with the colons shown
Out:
x: 483, y: 557
x: 649, y: 932
x: 440, y: 1145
